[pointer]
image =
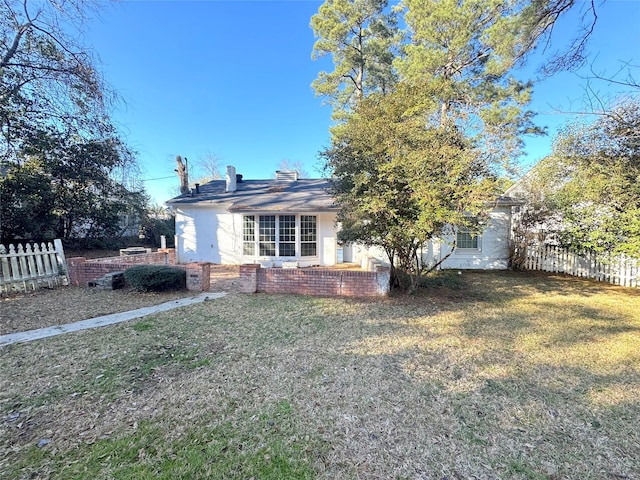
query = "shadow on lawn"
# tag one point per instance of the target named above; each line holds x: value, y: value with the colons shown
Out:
x: 512, y: 284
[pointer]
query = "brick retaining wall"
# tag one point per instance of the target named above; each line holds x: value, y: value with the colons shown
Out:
x: 310, y: 281
x: 82, y: 271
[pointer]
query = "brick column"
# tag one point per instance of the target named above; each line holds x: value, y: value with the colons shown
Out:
x: 198, y: 276
x: 170, y: 255
x: 75, y: 270
x: 249, y: 278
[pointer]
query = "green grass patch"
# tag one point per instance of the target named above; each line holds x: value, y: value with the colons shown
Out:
x: 225, y: 451
x: 143, y: 326
x: 442, y: 278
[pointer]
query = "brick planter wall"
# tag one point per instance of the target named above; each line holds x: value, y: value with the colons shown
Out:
x: 309, y: 281
x: 82, y: 271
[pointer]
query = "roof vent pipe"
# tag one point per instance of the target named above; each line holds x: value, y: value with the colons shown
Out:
x: 231, y: 178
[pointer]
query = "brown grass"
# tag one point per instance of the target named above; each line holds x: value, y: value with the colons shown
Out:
x: 513, y: 376
x: 47, y: 307
x: 44, y: 308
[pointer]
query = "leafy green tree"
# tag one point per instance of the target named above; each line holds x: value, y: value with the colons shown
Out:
x: 61, y: 156
x: 26, y: 198
x: 159, y: 221
x: 361, y: 36
x: 400, y: 184
x: 68, y: 181
x: 587, y: 192
x: 414, y: 161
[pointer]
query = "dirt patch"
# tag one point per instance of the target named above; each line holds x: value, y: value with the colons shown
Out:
x: 225, y: 278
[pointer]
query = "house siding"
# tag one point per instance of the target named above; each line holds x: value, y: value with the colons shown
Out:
x: 492, y: 252
x: 210, y: 234
x: 493, y: 246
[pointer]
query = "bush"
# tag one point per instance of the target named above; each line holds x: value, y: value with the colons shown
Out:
x: 155, y: 278
x: 101, y: 243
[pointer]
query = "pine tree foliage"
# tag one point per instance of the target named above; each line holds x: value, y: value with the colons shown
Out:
x: 417, y: 155
x: 361, y: 37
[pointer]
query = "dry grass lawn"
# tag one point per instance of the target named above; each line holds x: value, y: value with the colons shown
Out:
x: 509, y: 376
x: 44, y: 308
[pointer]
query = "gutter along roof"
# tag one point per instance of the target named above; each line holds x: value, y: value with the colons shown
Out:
x: 302, y: 195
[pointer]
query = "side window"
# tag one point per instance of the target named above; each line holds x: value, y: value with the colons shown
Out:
x: 464, y: 239
x: 249, y: 235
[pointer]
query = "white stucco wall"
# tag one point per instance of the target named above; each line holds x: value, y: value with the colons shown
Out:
x: 207, y: 234
x: 203, y: 235
x: 492, y: 252
x: 493, y: 246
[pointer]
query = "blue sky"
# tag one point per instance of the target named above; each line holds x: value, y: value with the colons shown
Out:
x: 233, y: 78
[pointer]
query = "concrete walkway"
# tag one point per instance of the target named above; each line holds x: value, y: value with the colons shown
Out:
x: 104, y: 320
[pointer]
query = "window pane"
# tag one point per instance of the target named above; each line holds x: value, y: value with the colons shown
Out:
x: 287, y: 238
x: 464, y: 239
x: 249, y: 235
x: 308, y: 236
x: 308, y: 249
x: 287, y: 249
x: 267, y: 235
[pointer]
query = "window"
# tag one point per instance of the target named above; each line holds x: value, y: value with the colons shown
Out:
x: 267, y: 235
x: 249, y: 235
x: 279, y: 235
x: 287, y: 236
x: 464, y: 239
x: 308, y: 236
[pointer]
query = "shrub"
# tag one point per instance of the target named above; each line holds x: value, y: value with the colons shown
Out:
x: 155, y: 278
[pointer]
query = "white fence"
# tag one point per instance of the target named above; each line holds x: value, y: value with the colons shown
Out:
x: 32, y: 266
x: 618, y: 270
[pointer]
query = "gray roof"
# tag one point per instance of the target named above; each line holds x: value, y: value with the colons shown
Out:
x: 303, y: 195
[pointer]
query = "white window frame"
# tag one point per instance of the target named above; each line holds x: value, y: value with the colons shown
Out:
x: 308, y: 243
x: 477, y: 238
x: 254, y: 219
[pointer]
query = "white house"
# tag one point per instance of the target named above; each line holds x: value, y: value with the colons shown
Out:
x: 487, y: 251
x: 237, y: 221
x: 293, y: 220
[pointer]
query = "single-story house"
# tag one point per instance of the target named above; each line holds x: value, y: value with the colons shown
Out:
x: 292, y: 221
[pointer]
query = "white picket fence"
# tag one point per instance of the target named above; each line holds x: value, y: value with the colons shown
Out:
x: 32, y: 266
x: 618, y: 270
